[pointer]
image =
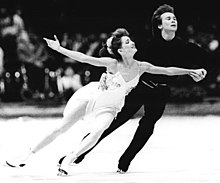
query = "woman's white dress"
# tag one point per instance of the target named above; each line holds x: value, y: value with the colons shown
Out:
x: 106, y: 95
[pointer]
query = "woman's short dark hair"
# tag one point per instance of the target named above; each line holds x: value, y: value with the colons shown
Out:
x: 156, y: 18
x: 115, y: 44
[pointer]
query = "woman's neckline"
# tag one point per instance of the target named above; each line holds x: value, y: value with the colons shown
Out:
x: 120, y: 73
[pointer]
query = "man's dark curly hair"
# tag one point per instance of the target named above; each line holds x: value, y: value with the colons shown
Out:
x: 156, y: 18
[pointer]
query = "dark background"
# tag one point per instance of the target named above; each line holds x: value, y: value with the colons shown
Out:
x: 45, y: 18
x: 50, y: 16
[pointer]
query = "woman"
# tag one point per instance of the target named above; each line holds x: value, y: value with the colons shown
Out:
x: 101, y: 101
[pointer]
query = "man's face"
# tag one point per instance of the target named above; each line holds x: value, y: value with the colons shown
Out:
x: 169, y: 22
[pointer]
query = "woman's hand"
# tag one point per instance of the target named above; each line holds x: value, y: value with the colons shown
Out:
x: 198, y: 74
x: 55, y: 45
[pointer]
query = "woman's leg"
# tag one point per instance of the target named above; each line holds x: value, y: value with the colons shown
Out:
x: 102, y: 122
x: 71, y: 115
x: 74, y: 111
x: 133, y: 102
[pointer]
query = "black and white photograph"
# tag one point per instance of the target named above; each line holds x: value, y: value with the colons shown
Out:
x: 109, y: 91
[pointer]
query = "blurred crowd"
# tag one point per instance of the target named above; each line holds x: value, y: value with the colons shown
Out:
x: 30, y: 71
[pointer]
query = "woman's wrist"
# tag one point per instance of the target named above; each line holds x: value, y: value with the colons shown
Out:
x: 191, y: 71
x: 58, y: 48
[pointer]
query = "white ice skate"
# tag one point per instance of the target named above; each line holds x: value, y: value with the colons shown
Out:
x: 65, y: 163
x: 19, y: 161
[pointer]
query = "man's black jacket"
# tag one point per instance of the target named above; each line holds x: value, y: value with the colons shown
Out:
x: 176, y: 53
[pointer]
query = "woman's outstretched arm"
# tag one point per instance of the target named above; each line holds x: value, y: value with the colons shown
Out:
x: 78, y: 56
x: 171, y: 71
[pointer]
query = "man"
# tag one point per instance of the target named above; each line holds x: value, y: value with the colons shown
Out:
x: 165, y: 49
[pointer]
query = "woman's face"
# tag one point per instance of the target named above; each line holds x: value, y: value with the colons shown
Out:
x: 128, y: 46
x: 169, y: 22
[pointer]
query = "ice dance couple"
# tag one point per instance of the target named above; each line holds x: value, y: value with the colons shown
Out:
x: 127, y: 84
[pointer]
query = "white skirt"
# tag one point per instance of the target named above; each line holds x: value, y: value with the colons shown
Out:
x: 100, y: 100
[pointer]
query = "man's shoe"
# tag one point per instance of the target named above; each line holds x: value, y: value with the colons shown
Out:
x: 77, y: 161
x: 62, y: 173
x: 120, y: 171
x: 60, y: 161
